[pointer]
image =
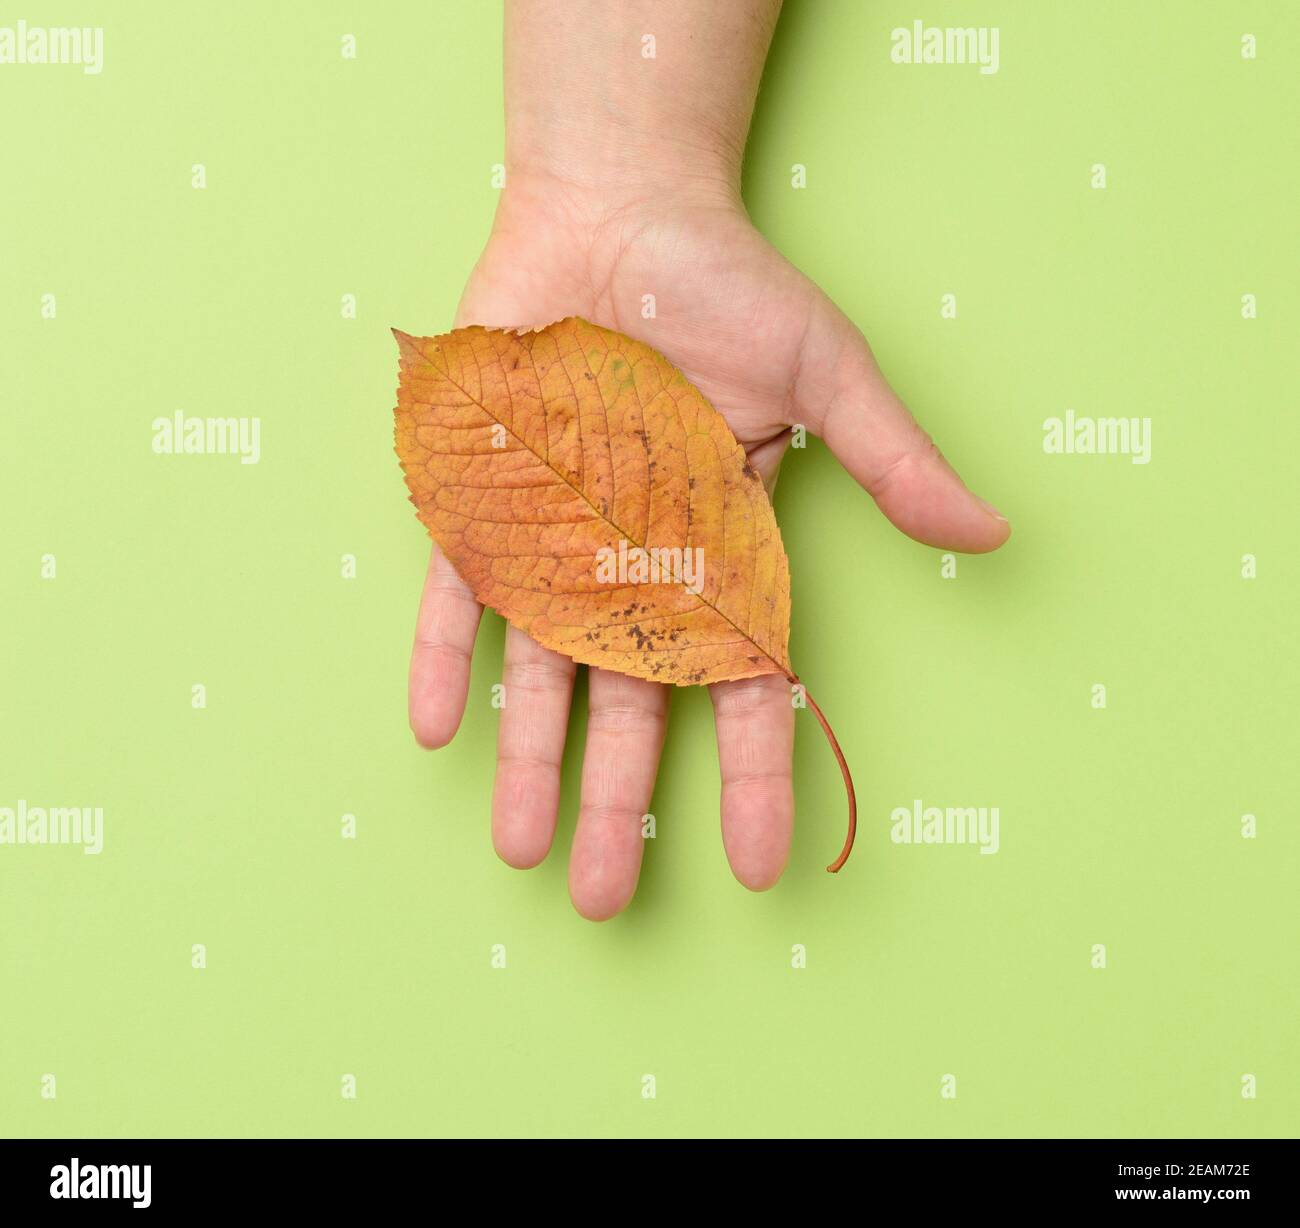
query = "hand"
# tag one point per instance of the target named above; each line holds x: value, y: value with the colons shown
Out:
x: 769, y: 350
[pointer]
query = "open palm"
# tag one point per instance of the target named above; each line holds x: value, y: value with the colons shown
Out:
x: 770, y: 351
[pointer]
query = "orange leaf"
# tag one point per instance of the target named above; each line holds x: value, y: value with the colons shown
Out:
x: 588, y: 493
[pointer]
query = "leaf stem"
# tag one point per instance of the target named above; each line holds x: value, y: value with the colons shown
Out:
x: 835, y: 865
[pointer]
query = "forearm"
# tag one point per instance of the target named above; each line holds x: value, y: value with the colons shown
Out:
x: 589, y: 107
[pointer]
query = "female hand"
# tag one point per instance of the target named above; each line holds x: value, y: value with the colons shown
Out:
x: 591, y: 228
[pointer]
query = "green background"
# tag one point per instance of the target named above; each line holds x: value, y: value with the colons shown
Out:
x: 372, y: 956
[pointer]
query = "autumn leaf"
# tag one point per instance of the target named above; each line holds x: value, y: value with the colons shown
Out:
x: 587, y: 492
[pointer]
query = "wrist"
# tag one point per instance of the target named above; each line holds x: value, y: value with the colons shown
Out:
x: 641, y: 104
x: 618, y: 173
x: 539, y: 207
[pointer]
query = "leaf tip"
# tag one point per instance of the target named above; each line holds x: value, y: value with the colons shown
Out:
x: 407, y: 345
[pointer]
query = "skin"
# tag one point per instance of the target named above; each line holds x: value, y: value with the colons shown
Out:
x: 623, y: 179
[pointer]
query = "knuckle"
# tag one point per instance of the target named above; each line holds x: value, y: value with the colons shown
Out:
x: 542, y: 676
x: 624, y: 718
x: 751, y: 696
x: 432, y: 644
x: 918, y: 452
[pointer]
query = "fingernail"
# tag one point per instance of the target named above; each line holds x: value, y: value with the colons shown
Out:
x: 988, y: 507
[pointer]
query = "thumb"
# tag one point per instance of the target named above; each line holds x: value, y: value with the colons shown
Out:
x: 862, y: 420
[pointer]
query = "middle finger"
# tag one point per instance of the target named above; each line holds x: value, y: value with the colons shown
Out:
x: 625, y: 733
